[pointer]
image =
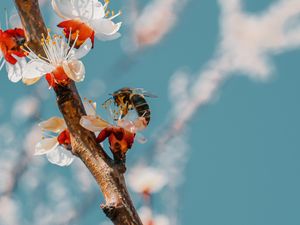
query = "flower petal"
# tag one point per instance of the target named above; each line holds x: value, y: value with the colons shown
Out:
x: 60, y: 156
x: 54, y: 124
x: 89, y: 9
x: 90, y: 108
x: 15, y: 71
x: 45, y: 146
x: 30, y: 81
x: 65, y: 9
x: 93, y: 123
x: 105, y: 26
x: 82, y: 51
x: 103, y: 37
x: 74, y: 69
x: 36, y: 68
x: 78, y: 9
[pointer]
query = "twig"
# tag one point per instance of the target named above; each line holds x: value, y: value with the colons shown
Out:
x: 118, y: 206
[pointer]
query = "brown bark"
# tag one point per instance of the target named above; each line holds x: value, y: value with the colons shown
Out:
x: 118, y: 206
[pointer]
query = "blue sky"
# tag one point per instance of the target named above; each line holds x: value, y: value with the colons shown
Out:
x: 243, y: 155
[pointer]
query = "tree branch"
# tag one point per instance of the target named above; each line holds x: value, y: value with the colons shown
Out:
x: 118, y: 207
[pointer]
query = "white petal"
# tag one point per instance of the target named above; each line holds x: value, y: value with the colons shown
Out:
x: 60, y: 156
x: 78, y: 9
x: 140, y: 123
x: 127, y: 124
x: 105, y: 26
x: 133, y: 126
x: 89, y: 9
x: 36, y: 68
x: 103, y: 37
x: 65, y: 9
x: 99, y: 11
x: 90, y: 108
x: 46, y: 145
x: 82, y: 51
x: 74, y: 69
x: 30, y: 81
x: 14, y: 72
x: 54, y: 124
x: 93, y: 123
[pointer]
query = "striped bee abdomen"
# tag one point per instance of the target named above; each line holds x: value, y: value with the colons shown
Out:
x: 141, y: 106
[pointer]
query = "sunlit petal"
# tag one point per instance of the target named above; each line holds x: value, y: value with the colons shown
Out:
x: 93, y: 123
x: 54, y: 124
x: 45, y: 145
x: 30, y: 81
x: 90, y: 108
x: 74, y: 69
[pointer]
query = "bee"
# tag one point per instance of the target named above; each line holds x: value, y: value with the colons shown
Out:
x: 120, y: 134
x: 127, y: 99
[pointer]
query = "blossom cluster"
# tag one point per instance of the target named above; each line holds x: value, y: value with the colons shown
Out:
x: 60, y: 60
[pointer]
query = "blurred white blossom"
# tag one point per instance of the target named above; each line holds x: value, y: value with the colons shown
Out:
x: 148, y: 218
x: 25, y: 108
x: 9, y: 213
x: 153, y: 23
x: 146, y: 179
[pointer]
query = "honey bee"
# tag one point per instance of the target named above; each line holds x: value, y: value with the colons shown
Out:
x: 127, y: 99
x: 120, y: 135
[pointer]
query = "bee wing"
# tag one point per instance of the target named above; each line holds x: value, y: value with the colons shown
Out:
x: 94, y: 123
x: 140, y: 138
x: 143, y: 92
x: 90, y: 107
x: 107, y: 102
x: 108, y: 106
